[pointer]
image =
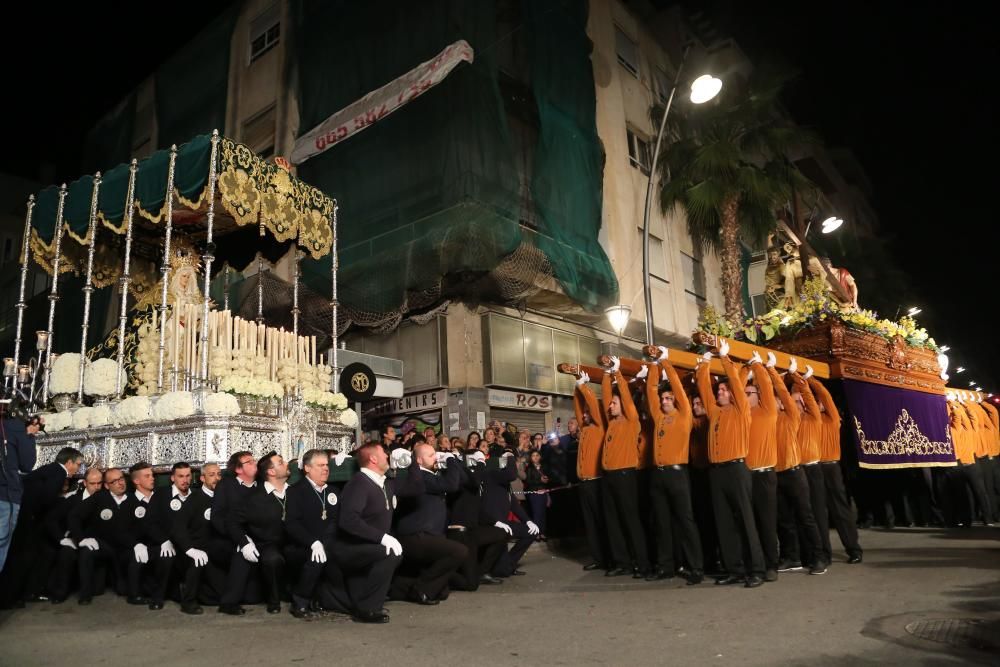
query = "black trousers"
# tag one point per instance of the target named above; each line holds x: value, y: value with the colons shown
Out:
x: 704, y: 516
x: 367, y: 573
x: 625, y: 534
x: 795, y: 517
x: 508, y: 560
x: 817, y: 498
x: 840, y: 510
x: 269, y: 567
x: 483, y: 545
x: 764, y: 493
x: 151, y: 578
x: 968, y: 489
x: 592, y: 510
x: 738, y: 539
x: 92, y: 567
x: 986, y: 467
x: 428, y: 563
x: 322, y: 582
x: 61, y: 581
x: 670, y: 496
x: 995, y: 471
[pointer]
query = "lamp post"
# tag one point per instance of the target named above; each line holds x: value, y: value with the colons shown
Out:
x: 703, y: 89
x: 618, y: 317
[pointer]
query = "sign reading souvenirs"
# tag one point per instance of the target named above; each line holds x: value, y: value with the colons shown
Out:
x: 411, y: 403
x: 519, y: 400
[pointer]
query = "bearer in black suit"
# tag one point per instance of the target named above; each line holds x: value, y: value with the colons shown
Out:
x: 99, y: 526
x: 152, y: 551
x: 231, y: 492
x: 260, y: 524
x: 429, y: 557
x: 166, y: 509
x: 365, y: 550
x: 206, y: 553
x: 497, y: 504
x: 57, y: 536
x: 313, y: 509
x: 484, y: 544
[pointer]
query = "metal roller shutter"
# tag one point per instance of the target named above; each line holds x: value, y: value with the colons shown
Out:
x: 522, y: 419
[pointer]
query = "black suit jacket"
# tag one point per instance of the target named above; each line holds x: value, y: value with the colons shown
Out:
x: 366, y: 510
x: 428, y: 511
x: 463, y: 504
x: 164, y: 512
x: 497, y: 501
x: 262, y: 518
x: 42, y: 490
x: 100, y: 517
x: 141, y: 523
x: 192, y: 526
x: 56, y: 522
x: 305, y: 521
x: 229, y: 494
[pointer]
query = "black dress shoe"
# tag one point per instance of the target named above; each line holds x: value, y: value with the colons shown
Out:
x: 300, y: 612
x: 137, y: 600
x: 753, y: 581
x: 155, y: 606
x: 192, y: 608
x: 593, y: 566
x: 83, y: 602
x: 659, y: 574
x: 729, y: 581
x: 854, y: 560
x: 695, y: 577
x: 38, y: 598
x: 617, y: 572
x: 371, y: 617
x: 518, y: 573
x: 489, y: 581
x: 771, y: 575
x: 274, y: 608
x: 232, y: 609
x: 419, y: 597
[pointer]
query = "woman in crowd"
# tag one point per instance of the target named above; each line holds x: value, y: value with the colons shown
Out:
x: 536, y: 480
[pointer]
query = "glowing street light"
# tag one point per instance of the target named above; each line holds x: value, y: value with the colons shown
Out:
x: 960, y: 369
x: 943, y: 349
x: 914, y: 311
x: 832, y: 223
x: 618, y: 317
x: 704, y: 88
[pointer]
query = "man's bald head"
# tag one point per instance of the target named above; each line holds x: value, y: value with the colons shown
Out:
x: 425, y: 455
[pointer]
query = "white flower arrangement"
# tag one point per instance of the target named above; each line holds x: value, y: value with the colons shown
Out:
x: 58, y: 421
x: 324, y: 399
x: 100, y: 415
x: 174, y: 405
x: 248, y: 386
x: 99, y: 378
x: 349, y: 418
x: 81, y: 418
x: 132, y: 410
x: 221, y: 403
x: 65, y: 377
x: 339, y: 401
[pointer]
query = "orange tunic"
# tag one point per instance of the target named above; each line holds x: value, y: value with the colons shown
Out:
x: 981, y: 428
x: 994, y: 428
x: 965, y: 449
x: 763, y: 451
x: 621, y: 437
x: 588, y: 459
x: 787, y: 429
x: 811, y: 426
x: 829, y: 449
x: 673, y: 431
x: 729, y: 426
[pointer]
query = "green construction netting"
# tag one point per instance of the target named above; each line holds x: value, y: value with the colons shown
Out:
x: 569, y: 161
x: 433, y: 190
x: 428, y: 190
x: 191, y: 86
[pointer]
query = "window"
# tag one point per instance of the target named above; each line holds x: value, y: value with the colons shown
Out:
x: 638, y: 151
x: 657, y: 260
x: 265, y: 31
x: 694, y: 277
x: 628, y: 51
x: 662, y: 84
x: 258, y: 132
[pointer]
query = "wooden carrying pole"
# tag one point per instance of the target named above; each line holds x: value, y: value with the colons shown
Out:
x: 741, y: 351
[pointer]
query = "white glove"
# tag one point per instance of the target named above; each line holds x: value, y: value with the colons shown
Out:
x: 444, y: 456
x: 318, y: 552
x: 723, y: 347
x: 772, y: 360
x: 90, y: 543
x: 340, y: 458
x: 391, y: 545
x: 502, y: 525
x: 706, y: 357
x: 664, y: 353
x: 809, y: 372
x: 663, y: 375
x: 141, y: 553
x: 476, y: 456
x: 250, y: 553
x: 532, y: 528
x: 199, y: 557
x: 583, y: 379
x: 643, y: 372
x: 401, y: 458
x: 755, y: 359
x: 67, y: 542
x: 793, y: 366
x: 167, y: 550
x: 950, y: 396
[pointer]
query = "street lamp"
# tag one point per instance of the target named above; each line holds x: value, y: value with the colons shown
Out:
x: 943, y: 349
x: 618, y: 317
x: 703, y: 89
x: 832, y: 223
x: 960, y: 369
x: 914, y: 311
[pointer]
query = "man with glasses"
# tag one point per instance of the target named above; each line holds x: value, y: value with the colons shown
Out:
x: 99, y: 526
x: 231, y: 493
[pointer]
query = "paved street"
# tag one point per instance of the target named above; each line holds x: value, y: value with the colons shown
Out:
x: 853, y: 615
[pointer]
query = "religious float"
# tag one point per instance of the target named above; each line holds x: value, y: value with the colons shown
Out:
x: 180, y: 377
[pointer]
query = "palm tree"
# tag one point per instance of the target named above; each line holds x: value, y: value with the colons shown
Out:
x: 728, y: 168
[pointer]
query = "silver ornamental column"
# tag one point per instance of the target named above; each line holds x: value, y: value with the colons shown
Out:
x: 88, y: 286
x: 124, y: 281
x: 54, y: 294
x: 165, y: 276
x: 208, y: 257
x: 25, y: 258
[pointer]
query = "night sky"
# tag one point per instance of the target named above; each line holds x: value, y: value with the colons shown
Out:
x: 906, y: 86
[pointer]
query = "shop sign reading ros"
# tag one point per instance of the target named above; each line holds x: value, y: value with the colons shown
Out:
x: 519, y: 400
